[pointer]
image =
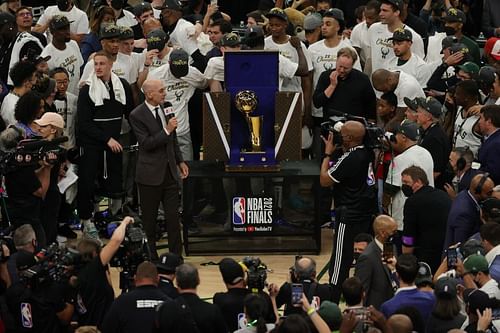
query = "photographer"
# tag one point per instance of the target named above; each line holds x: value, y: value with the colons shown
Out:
x: 304, y: 273
x: 354, y: 196
x: 26, y: 244
x: 93, y: 281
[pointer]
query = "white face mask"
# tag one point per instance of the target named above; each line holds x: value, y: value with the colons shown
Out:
x: 302, y: 35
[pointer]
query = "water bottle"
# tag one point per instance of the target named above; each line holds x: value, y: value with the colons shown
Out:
x: 242, y: 24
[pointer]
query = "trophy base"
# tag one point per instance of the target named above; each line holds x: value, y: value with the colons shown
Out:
x: 252, y: 168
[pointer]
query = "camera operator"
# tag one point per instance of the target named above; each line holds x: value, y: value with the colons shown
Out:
x: 51, y: 126
x: 352, y: 190
x: 93, y: 281
x: 37, y: 304
x: 166, y: 271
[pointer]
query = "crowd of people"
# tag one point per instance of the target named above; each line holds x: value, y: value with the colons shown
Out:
x: 416, y: 195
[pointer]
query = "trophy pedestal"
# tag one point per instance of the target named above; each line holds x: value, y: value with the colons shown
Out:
x: 253, y: 161
x: 252, y: 168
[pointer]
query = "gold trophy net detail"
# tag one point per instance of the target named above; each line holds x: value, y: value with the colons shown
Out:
x: 246, y: 102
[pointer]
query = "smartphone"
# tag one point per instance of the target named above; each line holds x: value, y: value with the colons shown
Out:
x: 452, y: 257
x: 388, y: 251
x: 297, y: 291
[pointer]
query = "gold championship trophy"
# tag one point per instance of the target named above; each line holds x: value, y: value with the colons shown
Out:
x: 246, y: 102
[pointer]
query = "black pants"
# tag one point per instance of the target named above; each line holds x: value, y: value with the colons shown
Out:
x: 346, y: 229
x: 50, y: 214
x: 150, y: 198
x: 103, y: 166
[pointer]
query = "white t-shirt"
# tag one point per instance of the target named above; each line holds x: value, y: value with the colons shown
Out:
x: 416, y: 67
x: 79, y: 19
x: 463, y: 133
x: 183, y: 36
x: 127, y: 19
x: 121, y: 67
x: 381, y: 47
x: 434, y: 47
x: 67, y: 109
x: 491, y: 288
x: 359, y: 39
x: 413, y: 156
x: 288, y: 51
x: 70, y: 58
x: 179, y: 91
x: 409, y: 87
x: 324, y: 58
x: 8, y: 108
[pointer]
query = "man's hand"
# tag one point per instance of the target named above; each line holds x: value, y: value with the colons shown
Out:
x: 295, y: 42
x: 115, y: 146
x: 273, y: 290
x: 184, y: 170
x: 305, y: 303
x: 297, y: 3
x: 484, y: 320
x: 347, y: 33
x: 141, y: 43
x: 391, y: 263
x: 450, y: 190
x: 454, y: 59
x: 334, y: 78
x: 171, y: 125
x: 48, y: 160
x: 212, y: 9
x: 460, y: 267
x: 329, y: 146
x: 377, y: 318
x: 128, y: 220
x: 474, y: 110
x: 349, y: 322
x: 150, y: 55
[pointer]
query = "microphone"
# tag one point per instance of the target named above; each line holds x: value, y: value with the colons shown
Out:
x: 35, y: 144
x: 168, y: 111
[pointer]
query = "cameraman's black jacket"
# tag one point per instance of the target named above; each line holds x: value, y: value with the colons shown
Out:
x: 311, y: 289
x: 97, y: 124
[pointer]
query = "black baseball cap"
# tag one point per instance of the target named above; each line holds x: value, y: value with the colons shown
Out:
x: 397, y: 3
x: 335, y: 13
x: 448, y: 41
x: 168, y: 262
x: 411, y: 103
x: 230, y: 39
x: 25, y: 260
x: 179, y: 63
x: 126, y: 32
x: 231, y: 271
x: 172, y: 5
x: 109, y: 31
x: 477, y: 299
x: 253, y: 36
x: 424, y: 274
x: 7, y: 18
x: 58, y: 22
x: 408, y: 128
x: 487, y: 75
x: 277, y: 12
x: 141, y: 8
x: 455, y: 15
x: 401, y: 35
x: 431, y: 105
x: 446, y: 288
x: 156, y: 39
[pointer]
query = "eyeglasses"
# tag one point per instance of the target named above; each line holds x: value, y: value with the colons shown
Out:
x: 25, y: 14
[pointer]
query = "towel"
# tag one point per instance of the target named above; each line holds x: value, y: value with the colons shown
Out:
x: 98, y: 91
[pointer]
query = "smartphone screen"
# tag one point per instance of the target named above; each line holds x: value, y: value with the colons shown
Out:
x: 297, y: 291
x: 452, y: 257
x: 388, y: 250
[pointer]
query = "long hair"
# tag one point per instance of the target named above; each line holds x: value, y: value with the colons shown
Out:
x: 256, y: 310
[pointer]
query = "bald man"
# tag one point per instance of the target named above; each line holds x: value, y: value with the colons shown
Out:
x: 347, y: 166
x: 158, y: 165
x: 400, y: 323
x: 464, y: 217
x: 371, y: 270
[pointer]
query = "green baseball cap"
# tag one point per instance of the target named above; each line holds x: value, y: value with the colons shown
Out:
x: 469, y: 67
x: 475, y: 263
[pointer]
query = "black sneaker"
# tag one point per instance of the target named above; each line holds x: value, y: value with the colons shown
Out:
x: 65, y: 230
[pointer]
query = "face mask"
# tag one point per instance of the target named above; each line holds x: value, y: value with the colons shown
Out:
x: 117, y: 4
x: 407, y: 190
x: 355, y: 257
x: 104, y: 25
x: 322, y: 12
x: 450, y: 31
x: 62, y: 5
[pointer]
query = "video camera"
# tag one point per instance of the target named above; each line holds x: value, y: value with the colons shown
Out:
x: 53, y: 264
x: 256, y: 273
x: 374, y: 137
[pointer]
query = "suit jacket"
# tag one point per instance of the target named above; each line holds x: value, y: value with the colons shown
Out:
x: 374, y: 276
x: 489, y: 156
x: 157, y: 150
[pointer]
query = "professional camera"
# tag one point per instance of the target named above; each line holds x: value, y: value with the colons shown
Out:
x: 374, y: 138
x: 54, y: 264
x: 256, y: 273
x: 133, y: 250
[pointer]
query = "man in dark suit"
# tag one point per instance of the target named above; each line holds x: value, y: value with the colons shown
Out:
x: 374, y: 274
x: 489, y: 152
x: 159, y: 158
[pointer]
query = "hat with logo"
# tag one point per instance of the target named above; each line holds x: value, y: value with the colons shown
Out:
x: 487, y: 75
x: 58, y: 22
x: 476, y: 299
x: 335, y: 13
x: 411, y: 103
x: 109, y: 31
x: 446, y: 287
x: 331, y: 314
x: 448, y: 41
x: 6, y: 18
x: 397, y: 3
x: 401, y: 35
x: 230, y: 39
x: 475, y: 263
x: 168, y: 262
x: 231, y: 271
x: 492, y: 47
x: 156, y: 39
x: 455, y: 15
x: 172, y: 5
x: 51, y: 118
x: 277, y: 12
x: 409, y: 129
x: 126, y: 33
x: 424, y: 274
x: 141, y: 8
x: 459, y: 47
x: 469, y: 67
x: 179, y: 63
x: 312, y: 21
x: 431, y: 105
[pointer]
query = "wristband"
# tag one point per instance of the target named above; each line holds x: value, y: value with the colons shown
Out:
x: 311, y: 311
x: 147, y: 65
x: 327, y: 155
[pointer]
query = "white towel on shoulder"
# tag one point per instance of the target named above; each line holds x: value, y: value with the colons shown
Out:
x: 98, y: 91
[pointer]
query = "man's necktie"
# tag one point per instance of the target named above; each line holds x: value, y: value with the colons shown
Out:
x: 158, y: 119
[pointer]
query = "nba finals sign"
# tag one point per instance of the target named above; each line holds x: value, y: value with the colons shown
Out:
x: 252, y: 214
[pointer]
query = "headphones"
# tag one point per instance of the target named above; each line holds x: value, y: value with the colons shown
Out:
x: 461, y: 161
x: 479, y: 187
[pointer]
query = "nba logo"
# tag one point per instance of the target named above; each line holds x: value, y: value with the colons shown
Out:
x: 26, y: 317
x: 238, y: 210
